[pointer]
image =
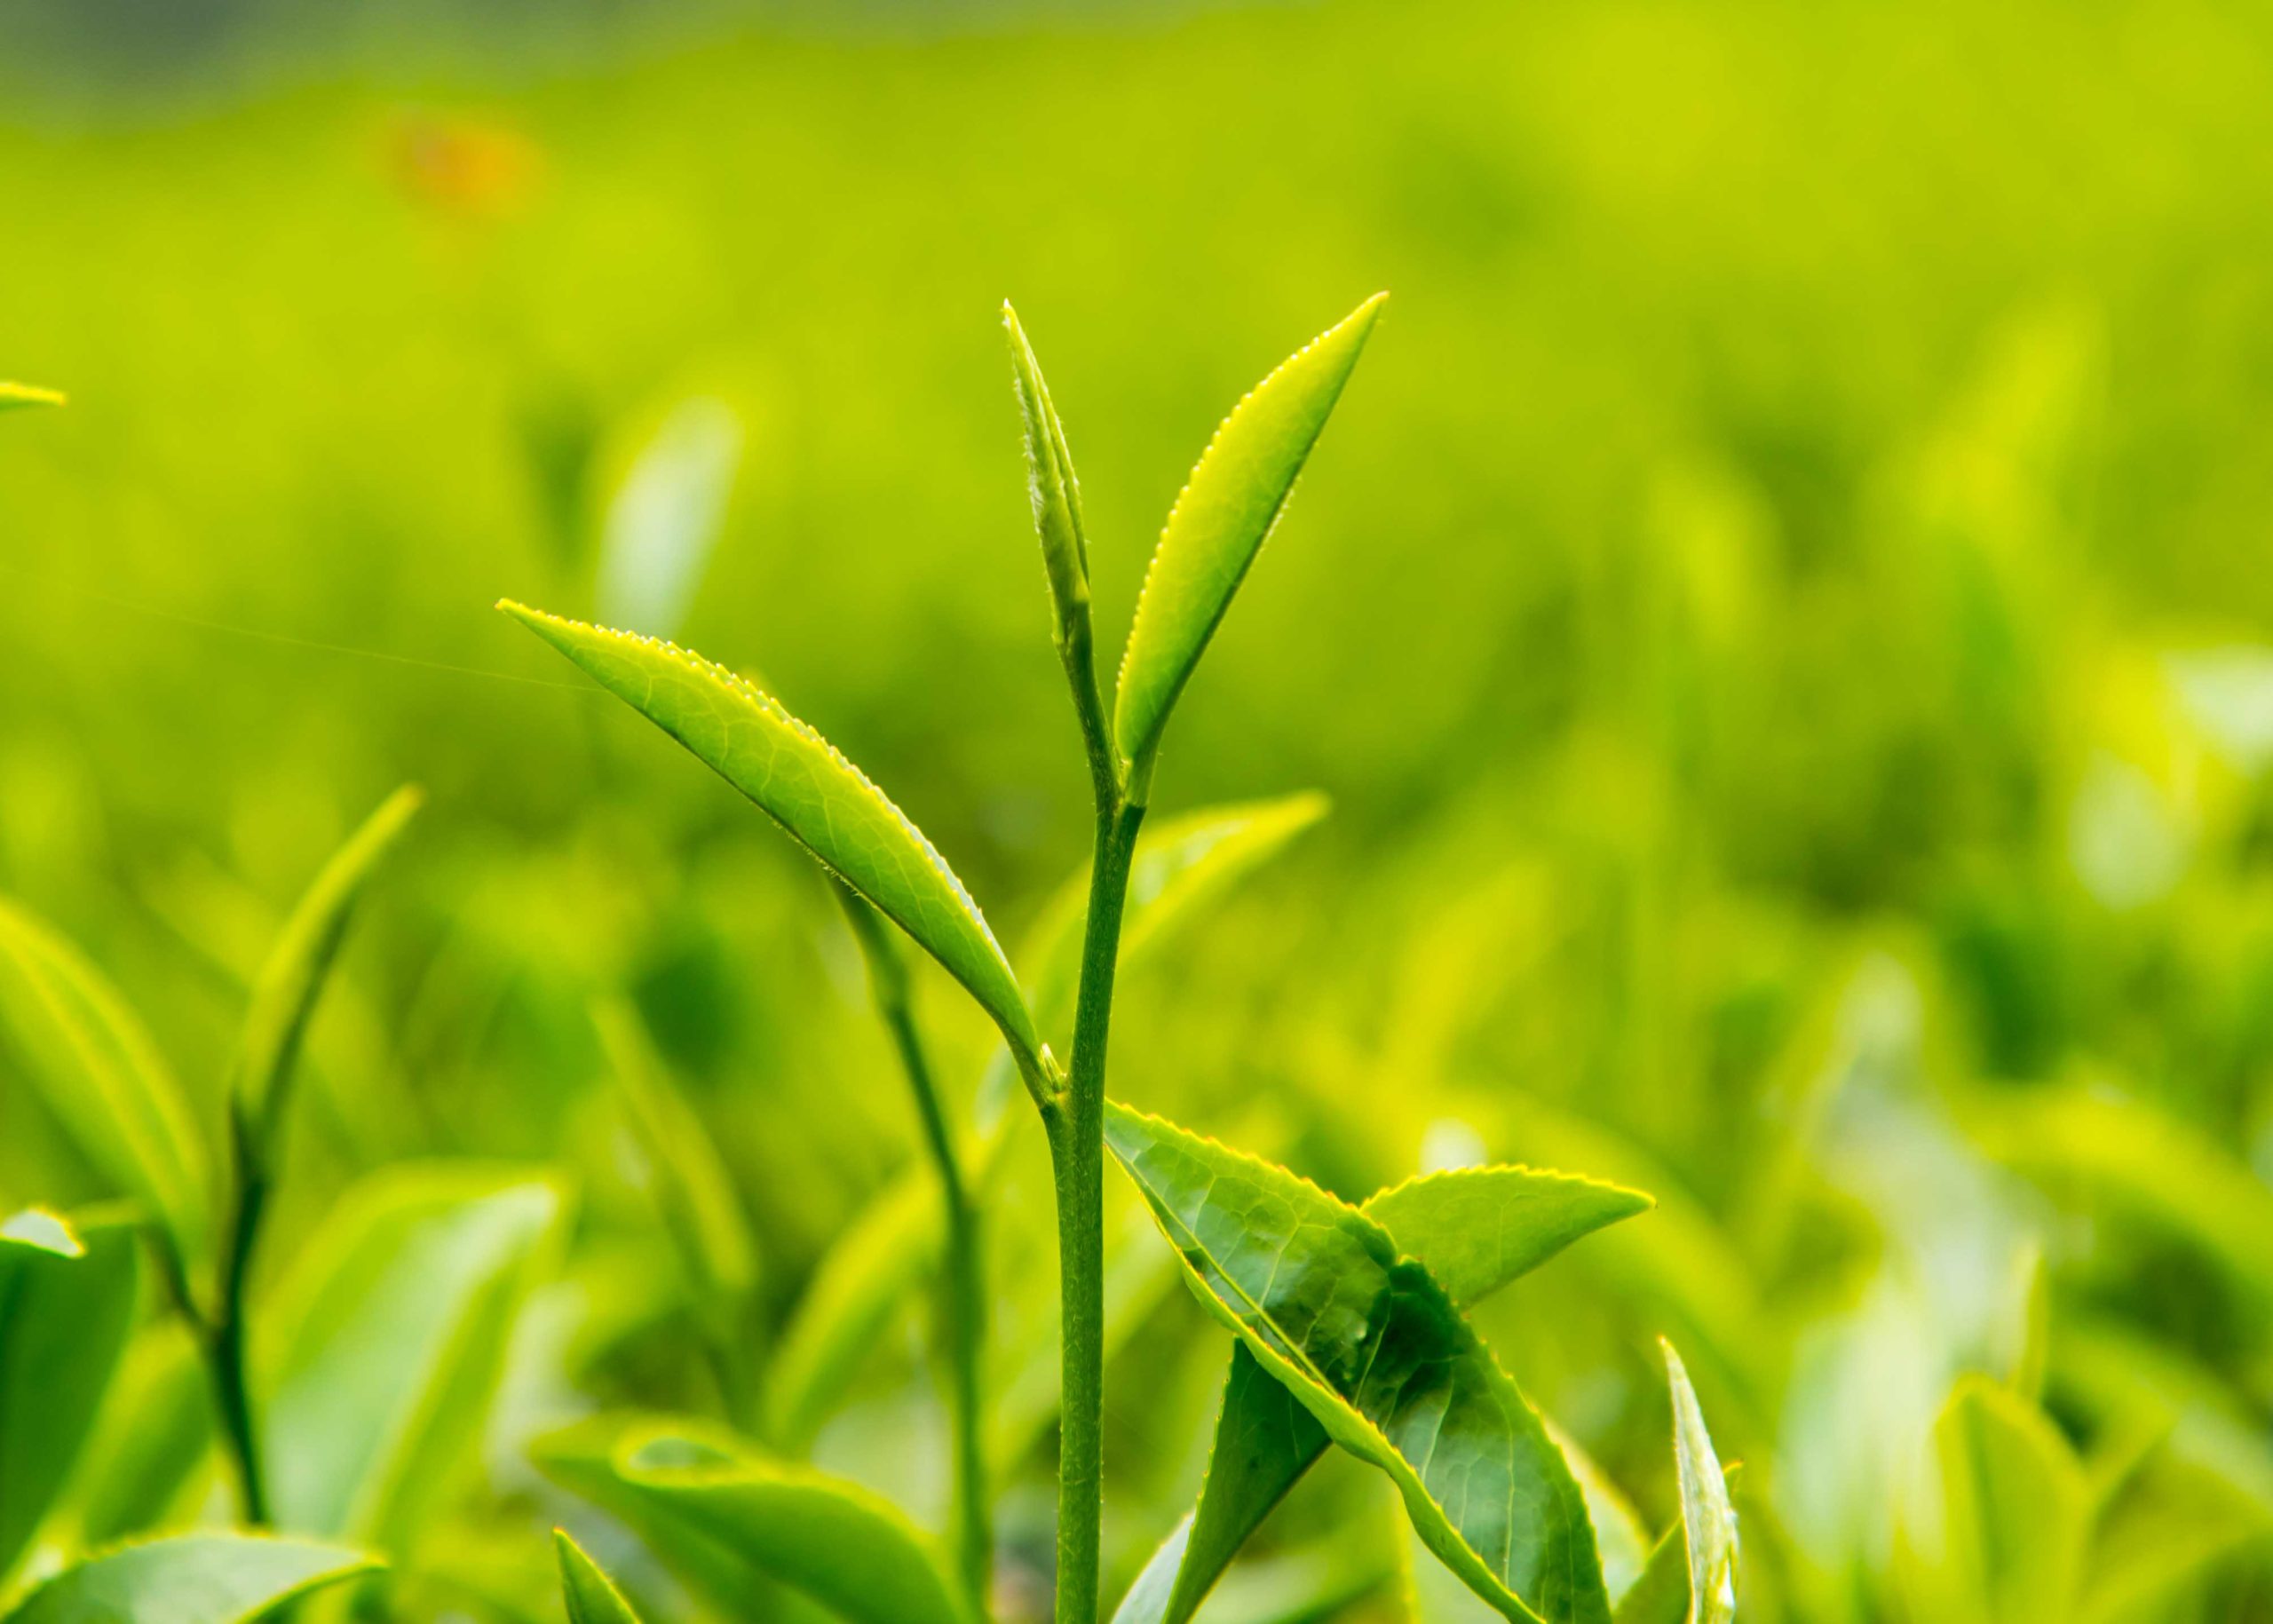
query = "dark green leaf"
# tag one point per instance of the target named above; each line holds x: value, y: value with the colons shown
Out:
x: 1379, y: 1355
x: 67, y: 1307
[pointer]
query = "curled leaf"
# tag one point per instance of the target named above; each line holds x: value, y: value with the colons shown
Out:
x: 1053, y: 488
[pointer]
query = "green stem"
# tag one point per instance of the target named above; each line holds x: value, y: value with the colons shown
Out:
x: 226, y: 1355
x: 1077, y: 1159
x: 966, y: 1270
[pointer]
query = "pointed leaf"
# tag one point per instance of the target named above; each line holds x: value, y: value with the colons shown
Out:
x: 191, y: 1579
x: 1052, y: 487
x: 798, y: 780
x: 1372, y: 1348
x: 1218, y: 524
x: 1709, y: 1527
x: 103, y: 1078
x: 14, y: 397
x: 67, y: 1307
x: 1475, y: 1229
x: 285, y: 993
x: 2015, y: 1508
x: 591, y: 1595
x: 384, y: 1345
x: 726, y: 1519
x: 846, y: 1304
x: 665, y: 519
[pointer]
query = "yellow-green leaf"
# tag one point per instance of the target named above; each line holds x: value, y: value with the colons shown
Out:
x: 190, y: 1579
x: 284, y: 994
x: 14, y: 397
x: 728, y: 1520
x: 590, y: 1594
x: 1709, y: 1527
x: 1374, y: 1349
x: 1227, y: 511
x: 1052, y: 485
x: 2015, y: 1510
x: 104, y: 1078
x: 796, y: 777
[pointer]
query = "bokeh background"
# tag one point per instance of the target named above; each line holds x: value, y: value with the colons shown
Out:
x: 1782, y: 616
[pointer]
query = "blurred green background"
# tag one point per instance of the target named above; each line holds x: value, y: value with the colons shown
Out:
x: 1782, y: 614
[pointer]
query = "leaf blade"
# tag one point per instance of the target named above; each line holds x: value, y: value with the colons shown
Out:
x: 804, y: 784
x: 191, y: 1579
x: 1225, y: 512
x: 590, y: 1594
x: 1708, y: 1524
x: 1374, y: 1350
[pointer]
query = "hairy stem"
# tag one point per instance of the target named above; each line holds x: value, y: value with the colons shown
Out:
x: 965, y: 1291
x: 1077, y: 1158
x: 227, y: 1355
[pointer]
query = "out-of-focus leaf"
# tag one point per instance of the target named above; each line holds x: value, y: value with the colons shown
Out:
x: 1619, y: 1540
x: 1709, y: 1527
x: 378, y: 1358
x: 1373, y: 1347
x: 191, y: 1579
x: 709, y: 1230
x: 664, y: 521
x: 727, y: 1519
x: 1220, y: 520
x: 803, y: 783
x: 285, y: 993
x: 15, y: 396
x: 591, y: 1595
x: 1474, y: 1230
x: 153, y: 1439
x: 2014, y: 1511
x: 104, y: 1078
x: 1052, y: 485
x: 2170, y: 1524
x: 2136, y: 1157
x: 845, y: 1306
x: 66, y: 1306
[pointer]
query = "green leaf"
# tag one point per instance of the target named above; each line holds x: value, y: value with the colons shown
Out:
x: 845, y: 1305
x: 1220, y: 520
x: 691, y: 1188
x: 1709, y: 1527
x: 727, y: 1520
x: 191, y: 1579
x: 2016, y: 1509
x: 67, y: 1308
x: 1474, y: 1230
x: 1379, y: 1355
x: 799, y: 781
x: 104, y: 1080
x: 284, y: 994
x: 384, y: 1346
x: 14, y: 397
x: 665, y: 518
x: 1053, y: 487
x: 590, y: 1593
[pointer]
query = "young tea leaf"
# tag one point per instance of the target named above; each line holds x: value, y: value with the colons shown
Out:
x: 728, y: 1520
x: 1709, y: 1527
x: 1227, y: 511
x: 191, y: 1579
x: 1379, y: 1355
x: 798, y: 780
x: 1053, y: 489
x: 285, y: 993
x: 384, y: 1343
x: 1475, y: 1230
x: 102, y: 1076
x: 590, y: 1594
x: 67, y: 1307
x: 665, y: 518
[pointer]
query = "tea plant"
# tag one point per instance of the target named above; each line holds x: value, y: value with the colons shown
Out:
x: 1347, y: 1321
